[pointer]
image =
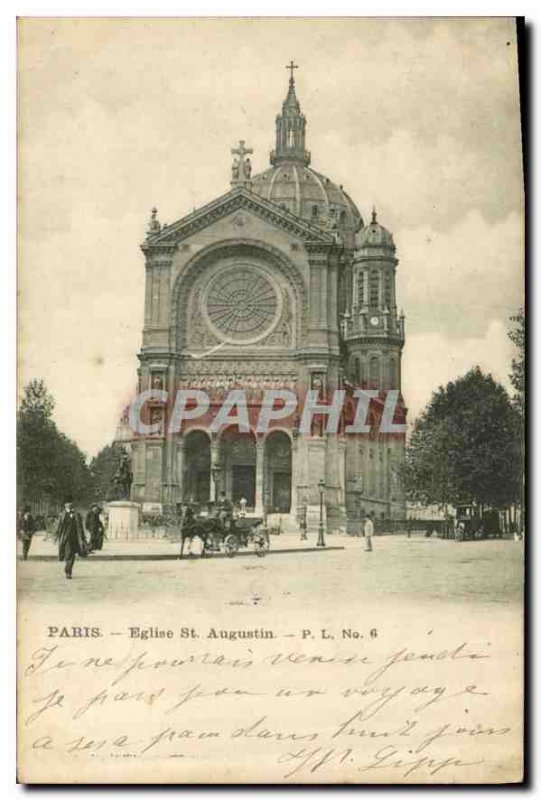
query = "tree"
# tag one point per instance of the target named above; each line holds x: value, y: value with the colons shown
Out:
x: 517, y: 334
x: 465, y: 446
x: 37, y: 400
x: 517, y: 376
x: 49, y: 465
x: 103, y: 467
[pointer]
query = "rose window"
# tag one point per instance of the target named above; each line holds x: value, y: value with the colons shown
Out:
x: 242, y: 303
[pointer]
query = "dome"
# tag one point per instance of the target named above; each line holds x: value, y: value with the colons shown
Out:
x: 374, y: 237
x: 304, y: 192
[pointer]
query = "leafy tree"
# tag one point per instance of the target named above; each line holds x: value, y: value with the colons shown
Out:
x: 466, y: 446
x: 37, y: 400
x: 103, y: 467
x: 517, y: 334
x: 49, y: 465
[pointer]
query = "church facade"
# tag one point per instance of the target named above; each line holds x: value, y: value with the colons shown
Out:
x: 278, y: 283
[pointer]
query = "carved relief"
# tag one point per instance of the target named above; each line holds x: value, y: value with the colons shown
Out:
x: 283, y: 333
x: 199, y: 334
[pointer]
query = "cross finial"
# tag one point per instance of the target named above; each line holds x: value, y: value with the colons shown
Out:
x: 291, y: 66
x: 241, y: 170
x: 374, y: 215
x: 241, y: 150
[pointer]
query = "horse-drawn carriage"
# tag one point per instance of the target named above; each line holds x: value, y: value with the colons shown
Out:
x: 473, y: 525
x: 204, y: 532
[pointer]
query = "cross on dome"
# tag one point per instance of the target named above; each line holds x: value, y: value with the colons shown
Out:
x: 291, y: 66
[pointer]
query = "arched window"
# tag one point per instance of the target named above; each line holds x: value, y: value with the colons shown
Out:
x: 315, y: 212
x: 387, y: 290
x: 361, y: 280
x: 374, y: 372
x: 393, y: 375
x: 374, y: 288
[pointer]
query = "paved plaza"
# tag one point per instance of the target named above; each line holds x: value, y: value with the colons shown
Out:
x: 419, y: 569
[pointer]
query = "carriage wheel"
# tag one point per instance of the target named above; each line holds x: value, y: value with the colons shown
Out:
x: 231, y: 545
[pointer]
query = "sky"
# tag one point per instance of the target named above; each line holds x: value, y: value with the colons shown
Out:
x: 419, y: 117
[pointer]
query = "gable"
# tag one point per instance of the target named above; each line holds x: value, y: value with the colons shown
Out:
x: 237, y: 200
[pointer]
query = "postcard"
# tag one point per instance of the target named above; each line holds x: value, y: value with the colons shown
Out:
x: 271, y: 518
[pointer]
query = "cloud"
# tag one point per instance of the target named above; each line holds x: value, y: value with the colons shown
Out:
x: 433, y: 359
x: 455, y: 282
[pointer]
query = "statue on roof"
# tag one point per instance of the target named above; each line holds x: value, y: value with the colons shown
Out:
x: 241, y: 170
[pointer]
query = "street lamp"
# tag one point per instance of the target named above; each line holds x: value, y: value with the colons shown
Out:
x: 321, y: 537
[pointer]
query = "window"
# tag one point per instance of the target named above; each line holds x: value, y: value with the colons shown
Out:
x: 387, y: 290
x: 374, y: 288
x: 393, y: 377
x: 315, y: 212
x: 374, y: 371
x: 361, y: 277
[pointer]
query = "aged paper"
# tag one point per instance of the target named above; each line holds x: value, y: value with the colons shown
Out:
x: 252, y: 563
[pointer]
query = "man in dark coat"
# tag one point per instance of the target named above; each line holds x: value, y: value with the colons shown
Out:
x: 27, y: 528
x: 70, y: 536
x: 95, y: 528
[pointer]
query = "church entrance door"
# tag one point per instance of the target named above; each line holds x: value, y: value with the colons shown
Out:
x: 238, y: 453
x: 278, y: 472
x: 196, y: 478
x: 281, y: 492
x: 244, y: 484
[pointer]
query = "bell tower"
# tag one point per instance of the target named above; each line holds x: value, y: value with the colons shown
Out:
x: 372, y: 328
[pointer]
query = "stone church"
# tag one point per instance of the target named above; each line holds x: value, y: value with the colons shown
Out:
x: 278, y: 283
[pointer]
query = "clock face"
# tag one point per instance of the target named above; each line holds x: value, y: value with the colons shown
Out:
x: 374, y: 320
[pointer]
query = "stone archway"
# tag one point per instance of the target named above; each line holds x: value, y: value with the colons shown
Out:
x: 238, y: 459
x: 196, y: 477
x: 278, y: 472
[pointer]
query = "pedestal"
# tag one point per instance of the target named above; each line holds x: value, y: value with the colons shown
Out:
x: 123, y: 519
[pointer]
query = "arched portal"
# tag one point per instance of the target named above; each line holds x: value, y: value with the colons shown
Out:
x: 196, y: 477
x: 238, y: 457
x: 278, y: 472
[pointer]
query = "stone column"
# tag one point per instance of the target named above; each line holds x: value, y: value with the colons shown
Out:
x: 294, y: 470
x: 215, y: 462
x: 181, y: 455
x: 259, y: 473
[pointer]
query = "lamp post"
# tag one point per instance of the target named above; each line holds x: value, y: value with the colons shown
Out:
x: 321, y: 536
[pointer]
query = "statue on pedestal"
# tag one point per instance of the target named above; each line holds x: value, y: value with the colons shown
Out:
x: 122, y: 479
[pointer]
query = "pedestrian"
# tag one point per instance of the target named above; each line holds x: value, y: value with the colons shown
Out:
x: 27, y: 528
x: 224, y: 508
x: 70, y: 536
x: 95, y: 528
x: 368, y: 532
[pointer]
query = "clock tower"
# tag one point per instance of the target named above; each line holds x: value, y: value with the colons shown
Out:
x: 373, y: 330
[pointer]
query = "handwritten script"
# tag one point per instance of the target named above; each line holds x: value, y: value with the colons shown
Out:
x: 285, y: 710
